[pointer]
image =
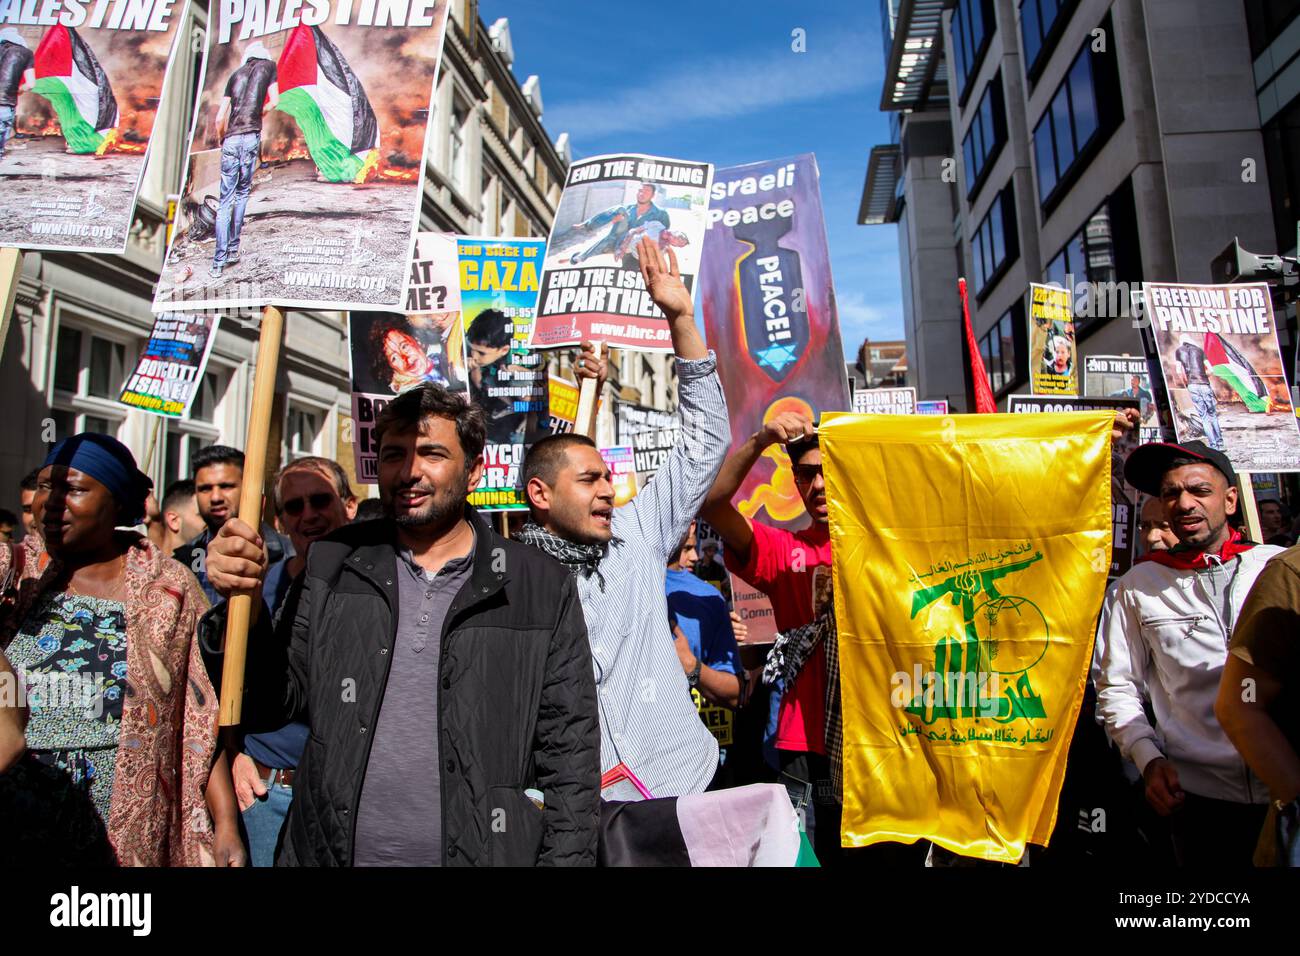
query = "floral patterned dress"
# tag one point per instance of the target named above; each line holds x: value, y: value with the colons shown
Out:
x: 71, y: 651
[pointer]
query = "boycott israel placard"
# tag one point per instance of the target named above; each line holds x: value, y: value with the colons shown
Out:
x: 507, y: 379
x: 84, y: 80
x: 1123, y: 376
x: 885, y: 401
x: 171, y: 367
x: 1052, y: 355
x: 769, y: 314
x: 651, y: 433
x: 1222, y: 368
x: 1124, y: 497
x: 592, y: 287
x: 304, y: 178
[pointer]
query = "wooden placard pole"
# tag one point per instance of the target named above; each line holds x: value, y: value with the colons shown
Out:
x: 11, y: 267
x: 1249, y: 509
x: 584, y: 422
x: 239, y: 613
x: 153, y: 444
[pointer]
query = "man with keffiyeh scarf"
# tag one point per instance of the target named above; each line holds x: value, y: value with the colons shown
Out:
x: 649, y: 726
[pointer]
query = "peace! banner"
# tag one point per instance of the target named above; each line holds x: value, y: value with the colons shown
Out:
x: 970, y: 561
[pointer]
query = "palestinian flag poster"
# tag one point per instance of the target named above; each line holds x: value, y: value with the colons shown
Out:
x: 1222, y: 367
x: 305, y: 169
x: 86, y: 82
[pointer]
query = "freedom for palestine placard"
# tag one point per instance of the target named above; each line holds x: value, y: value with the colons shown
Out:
x: 305, y: 169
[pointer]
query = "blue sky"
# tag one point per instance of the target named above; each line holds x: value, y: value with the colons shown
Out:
x: 716, y: 80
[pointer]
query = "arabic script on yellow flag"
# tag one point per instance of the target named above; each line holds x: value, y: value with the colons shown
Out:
x: 970, y: 561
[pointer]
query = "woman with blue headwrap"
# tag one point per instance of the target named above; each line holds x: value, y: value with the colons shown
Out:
x: 121, y: 725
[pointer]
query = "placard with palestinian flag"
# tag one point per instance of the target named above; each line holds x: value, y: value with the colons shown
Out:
x: 85, y: 83
x: 1223, y: 371
x: 305, y: 169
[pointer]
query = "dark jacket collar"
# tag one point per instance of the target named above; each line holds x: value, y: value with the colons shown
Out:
x: 375, y: 557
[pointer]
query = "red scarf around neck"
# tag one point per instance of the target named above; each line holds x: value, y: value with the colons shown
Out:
x: 1186, y: 559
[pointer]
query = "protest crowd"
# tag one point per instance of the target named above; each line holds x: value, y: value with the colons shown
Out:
x: 805, y: 639
x: 414, y: 677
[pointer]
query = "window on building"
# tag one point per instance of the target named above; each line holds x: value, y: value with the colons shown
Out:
x: 1101, y: 262
x: 1041, y: 25
x: 89, y: 371
x: 185, y: 436
x: 1083, y: 111
x: 1265, y: 21
x: 1000, y: 350
x: 994, y: 244
x: 459, y: 147
x: 1282, y: 156
x: 67, y: 359
x: 987, y: 133
x: 973, y: 25
x: 302, y: 433
x: 107, y: 368
x: 491, y: 203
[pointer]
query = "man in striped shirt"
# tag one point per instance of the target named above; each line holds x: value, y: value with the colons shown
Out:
x: 619, y: 556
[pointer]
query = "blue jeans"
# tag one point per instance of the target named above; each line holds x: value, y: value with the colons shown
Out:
x: 262, y: 823
x: 1202, y: 396
x: 239, y: 157
x: 6, y: 127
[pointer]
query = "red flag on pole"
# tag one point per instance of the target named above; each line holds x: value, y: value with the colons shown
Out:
x: 979, y: 375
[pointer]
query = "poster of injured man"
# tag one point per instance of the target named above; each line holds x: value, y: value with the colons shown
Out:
x: 591, y: 285
x: 80, y: 87
x: 304, y: 177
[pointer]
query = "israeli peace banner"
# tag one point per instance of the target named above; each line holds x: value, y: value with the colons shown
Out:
x: 306, y: 161
x: 966, y: 610
x: 768, y: 303
x: 83, y: 81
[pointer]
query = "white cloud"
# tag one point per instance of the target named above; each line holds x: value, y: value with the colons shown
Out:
x: 879, y: 321
x: 721, y: 89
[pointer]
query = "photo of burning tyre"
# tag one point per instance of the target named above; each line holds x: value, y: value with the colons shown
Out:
x: 305, y: 169
x: 78, y: 99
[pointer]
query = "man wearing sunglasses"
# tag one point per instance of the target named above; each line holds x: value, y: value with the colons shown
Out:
x: 789, y: 568
x: 312, y: 498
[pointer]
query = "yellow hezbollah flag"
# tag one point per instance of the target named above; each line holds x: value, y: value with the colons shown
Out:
x: 970, y: 561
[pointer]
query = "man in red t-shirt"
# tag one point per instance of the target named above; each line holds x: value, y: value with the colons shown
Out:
x: 793, y: 570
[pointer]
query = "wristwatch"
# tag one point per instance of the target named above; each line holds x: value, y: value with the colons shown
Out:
x: 694, y: 676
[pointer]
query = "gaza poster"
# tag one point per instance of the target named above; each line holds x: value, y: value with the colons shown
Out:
x: 83, y: 79
x: 304, y: 177
x: 507, y: 379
